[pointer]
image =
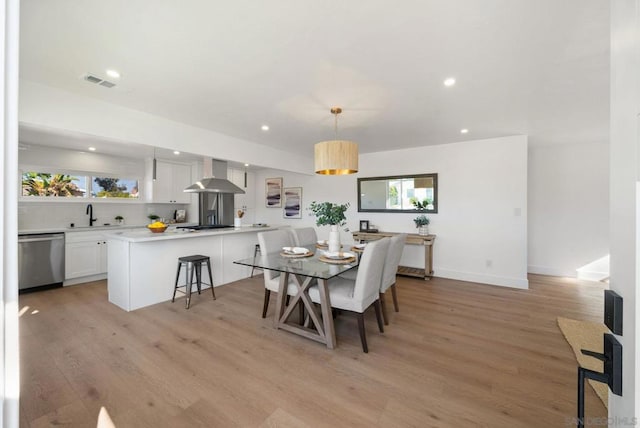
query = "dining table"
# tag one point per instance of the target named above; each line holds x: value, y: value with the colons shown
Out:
x: 306, y: 270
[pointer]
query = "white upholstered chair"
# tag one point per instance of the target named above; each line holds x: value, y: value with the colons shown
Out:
x: 271, y: 242
x: 392, y: 260
x: 357, y: 296
x: 305, y: 236
x: 396, y: 246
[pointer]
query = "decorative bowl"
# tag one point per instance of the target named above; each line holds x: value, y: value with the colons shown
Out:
x: 157, y: 229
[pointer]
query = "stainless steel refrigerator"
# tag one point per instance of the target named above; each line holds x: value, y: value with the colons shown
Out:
x: 216, y: 209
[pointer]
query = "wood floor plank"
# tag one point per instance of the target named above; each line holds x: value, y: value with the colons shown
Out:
x: 457, y: 354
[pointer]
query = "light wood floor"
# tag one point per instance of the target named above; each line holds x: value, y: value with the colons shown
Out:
x: 458, y: 354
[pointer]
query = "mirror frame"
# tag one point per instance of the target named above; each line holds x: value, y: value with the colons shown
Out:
x: 395, y: 177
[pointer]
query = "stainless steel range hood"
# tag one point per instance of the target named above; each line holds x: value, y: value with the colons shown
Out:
x: 217, y: 183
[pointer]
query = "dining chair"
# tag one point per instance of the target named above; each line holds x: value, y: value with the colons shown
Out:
x: 394, y: 253
x: 271, y: 242
x: 357, y: 296
x: 305, y: 236
x: 392, y: 260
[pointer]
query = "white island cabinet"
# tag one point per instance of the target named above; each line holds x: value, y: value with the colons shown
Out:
x: 141, y: 266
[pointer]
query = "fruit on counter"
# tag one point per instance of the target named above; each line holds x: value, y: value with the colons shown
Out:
x: 157, y: 225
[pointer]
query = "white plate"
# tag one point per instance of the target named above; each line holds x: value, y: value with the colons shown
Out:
x: 360, y: 246
x: 338, y: 255
x: 295, y: 250
x: 322, y: 243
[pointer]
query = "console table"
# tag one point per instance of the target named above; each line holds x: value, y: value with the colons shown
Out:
x: 412, y: 239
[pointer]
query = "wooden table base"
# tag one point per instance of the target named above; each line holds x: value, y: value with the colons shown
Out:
x: 323, y: 322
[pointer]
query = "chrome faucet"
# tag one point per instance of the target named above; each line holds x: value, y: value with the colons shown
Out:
x: 90, y: 213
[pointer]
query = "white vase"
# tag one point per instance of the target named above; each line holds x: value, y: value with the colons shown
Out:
x: 423, y: 230
x: 334, y: 238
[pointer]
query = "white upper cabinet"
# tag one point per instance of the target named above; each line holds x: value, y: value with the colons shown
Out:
x: 171, y: 180
x: 244, y: 201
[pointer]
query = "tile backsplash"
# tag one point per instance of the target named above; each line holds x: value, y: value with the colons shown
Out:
x: 43, y: 215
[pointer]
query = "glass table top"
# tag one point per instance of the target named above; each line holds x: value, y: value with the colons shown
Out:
x: 307, y: 266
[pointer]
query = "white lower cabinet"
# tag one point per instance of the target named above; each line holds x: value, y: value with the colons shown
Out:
x: 85, y: 255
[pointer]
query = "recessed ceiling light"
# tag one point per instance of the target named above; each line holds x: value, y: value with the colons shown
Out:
x: 464, y: 131
x: 265, y: 127
x: 113, y: 73
x: 450, y: 81
x: 92, y: 149
x: 176, y: 152
x: 246, y: 164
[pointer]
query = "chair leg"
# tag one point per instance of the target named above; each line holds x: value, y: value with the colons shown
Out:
x: 210, y: 278
x: 376, y: 306
x: 198, y: 268
x: 395, y: 298
x: 383, y: 303
x: 288, y: 298
x: 363, y: 335
x: 190, y: 283
x: 265, y: 306
x: 175, y: 288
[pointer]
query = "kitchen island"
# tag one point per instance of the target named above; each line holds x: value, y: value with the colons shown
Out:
x: 141, y: 265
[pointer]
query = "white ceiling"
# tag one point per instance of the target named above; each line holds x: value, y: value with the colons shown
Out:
x: 535, y: 67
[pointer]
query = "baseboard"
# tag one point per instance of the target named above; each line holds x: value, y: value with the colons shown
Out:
x: 84, y: 279
x: 545, y: 270
x: 502, y: 281
x: 592, y: 275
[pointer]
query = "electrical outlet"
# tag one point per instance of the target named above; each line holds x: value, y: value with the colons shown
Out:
x: 488, y: 263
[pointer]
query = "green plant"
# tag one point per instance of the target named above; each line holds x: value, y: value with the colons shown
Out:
x: 119, y: 217
x: 43, y: 184
x: 421, y: 220
x: 328, y: 213
x: 153, y: 217
x: 420, y: 205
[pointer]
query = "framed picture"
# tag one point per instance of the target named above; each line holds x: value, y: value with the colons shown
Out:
x: 273, y: 192
x: 364, y: 225
x: 292, y: 202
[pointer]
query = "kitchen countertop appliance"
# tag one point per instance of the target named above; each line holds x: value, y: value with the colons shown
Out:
x: 40, y: 261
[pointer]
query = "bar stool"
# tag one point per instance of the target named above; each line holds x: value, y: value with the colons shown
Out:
x: 255, y: 253
x: 193, y: 263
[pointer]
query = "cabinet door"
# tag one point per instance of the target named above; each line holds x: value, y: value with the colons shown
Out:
x: 83, y: 259
x: 181, y: 179
x: 103, y: 256
x: 163, y: 184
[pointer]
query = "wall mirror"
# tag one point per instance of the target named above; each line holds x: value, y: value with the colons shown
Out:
x: 398, y: 194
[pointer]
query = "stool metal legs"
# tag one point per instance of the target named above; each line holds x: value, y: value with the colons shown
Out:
x: 193, y: 267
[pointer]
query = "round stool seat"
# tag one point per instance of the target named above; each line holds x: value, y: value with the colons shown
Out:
x: 192, y: 259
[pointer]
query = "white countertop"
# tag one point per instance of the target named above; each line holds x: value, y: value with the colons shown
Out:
x: 172, y: 233
x: 112, y: 227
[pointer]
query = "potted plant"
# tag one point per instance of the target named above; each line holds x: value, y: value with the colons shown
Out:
x: 153, y: 217
x: 119, y: 219
x: 330, y: 214
x: 422, y: 223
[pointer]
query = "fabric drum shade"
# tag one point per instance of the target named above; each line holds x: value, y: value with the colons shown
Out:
x: 336, y: 157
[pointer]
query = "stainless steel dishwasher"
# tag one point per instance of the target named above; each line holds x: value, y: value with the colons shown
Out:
x: 40, y: 260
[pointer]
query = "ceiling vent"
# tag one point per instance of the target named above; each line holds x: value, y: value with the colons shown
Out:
x: 92, y: 78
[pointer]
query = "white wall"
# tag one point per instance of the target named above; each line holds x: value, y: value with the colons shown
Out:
x: 625, y: 196
x: 482, y: 205
x: 569, y: 210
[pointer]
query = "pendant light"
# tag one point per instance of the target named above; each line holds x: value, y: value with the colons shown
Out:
x: 155, y: 164
x: 336, y: 157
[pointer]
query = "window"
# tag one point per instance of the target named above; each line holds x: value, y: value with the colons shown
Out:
x: 44, y: 184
